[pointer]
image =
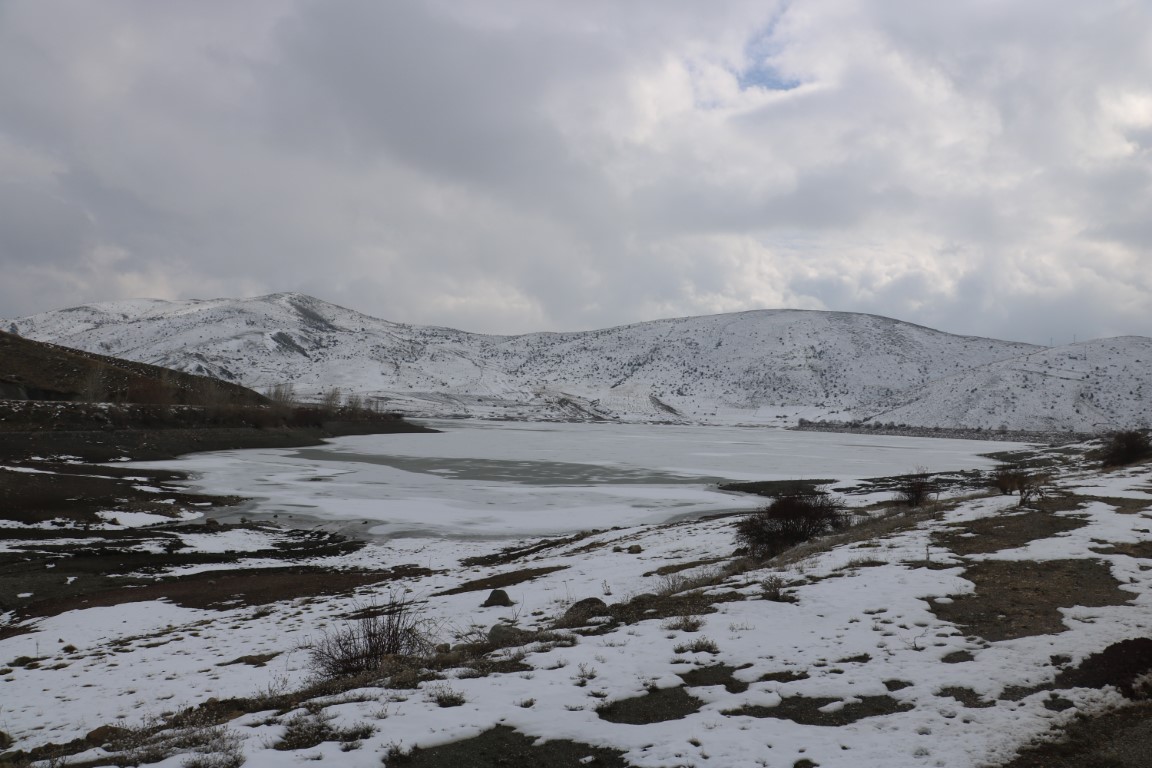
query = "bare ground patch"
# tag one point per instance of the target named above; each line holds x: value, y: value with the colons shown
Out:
x: 811, y: 711
x: 502, y: 747
x: 1141, y: 550
x: 231, y: 588
x: 1118, y: 739
x: 1006, y: 531
x: 501, y: 580
x: 656, y: 706
x: 1023, y: 598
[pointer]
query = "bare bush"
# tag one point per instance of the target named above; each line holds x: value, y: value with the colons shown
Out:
x: 380, y: 633
x: 304, y: 730
x: 915, y: 490
x: 445, y: 696
x: 1007, y: 479
x: 788, y: 521
x: 283, y: 394
x: 699, y: 645
x: 1126, y: 447
x: 330, y: 401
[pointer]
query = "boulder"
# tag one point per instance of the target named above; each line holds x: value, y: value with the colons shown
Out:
x: 503, y: 635
x: 587, y: 608
x: 498, y: 597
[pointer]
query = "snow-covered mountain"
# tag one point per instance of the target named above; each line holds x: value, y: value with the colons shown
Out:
x: 767, y: 366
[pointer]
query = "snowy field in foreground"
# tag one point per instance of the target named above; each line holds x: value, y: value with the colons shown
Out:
x: 857, y: 630
x: 480, y: 478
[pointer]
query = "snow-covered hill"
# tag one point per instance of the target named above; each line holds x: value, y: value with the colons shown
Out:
x: 767, y: 366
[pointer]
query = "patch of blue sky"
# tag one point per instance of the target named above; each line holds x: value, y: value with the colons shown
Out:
x: 759, y: 51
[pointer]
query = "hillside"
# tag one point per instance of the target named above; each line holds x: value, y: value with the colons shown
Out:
x: 33, y: 370
x: 1086, y: 387
x: 765, y: 367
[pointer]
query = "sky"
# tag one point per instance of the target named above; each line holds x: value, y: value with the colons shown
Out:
x: 510, y: 166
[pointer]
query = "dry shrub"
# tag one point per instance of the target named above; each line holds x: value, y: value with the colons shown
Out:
x: 915, y: 490
x: 305, y: 730
x: 1007, y: 479
x: 380, y: 633
x: 788, y: 521
x: 1126, y: 447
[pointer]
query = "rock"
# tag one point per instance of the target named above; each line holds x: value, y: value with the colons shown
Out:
x: 505, y: 634
x: 105, y: 734
x: 635, y: 549
x: 498, y: 597
x: 587, y: 608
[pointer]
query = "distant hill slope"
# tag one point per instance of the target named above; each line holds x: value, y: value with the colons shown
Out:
x: 34, y: 370
x: 767, y: 366
x: 1092, y: 386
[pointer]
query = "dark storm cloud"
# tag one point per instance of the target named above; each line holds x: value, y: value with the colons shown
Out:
x: 514, y: 166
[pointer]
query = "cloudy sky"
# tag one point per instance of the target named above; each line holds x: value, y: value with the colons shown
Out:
x: 508, y: 166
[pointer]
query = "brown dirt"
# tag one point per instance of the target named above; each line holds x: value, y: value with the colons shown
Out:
x: 503, y: 747
x: 966, y: 696
x: 1006, y: 531
x: 1141, y: 550
x: 806, y: 711
x: 77, y: 492
x: 230, y: 588
x: 512, y: 554
x: 1022, y: 598
x: 658, y: 705
x: 716, y: 674
x: 1118, y: 739
x: 1124, y: 506
x: 501, y: 580
x: 1120, y: 664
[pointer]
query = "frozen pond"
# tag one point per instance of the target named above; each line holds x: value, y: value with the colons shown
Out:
x: 481, y: 478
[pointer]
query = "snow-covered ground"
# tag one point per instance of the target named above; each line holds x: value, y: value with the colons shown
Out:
x: 861, y: 625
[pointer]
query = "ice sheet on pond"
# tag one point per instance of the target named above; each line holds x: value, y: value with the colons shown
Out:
x: 506, y: 479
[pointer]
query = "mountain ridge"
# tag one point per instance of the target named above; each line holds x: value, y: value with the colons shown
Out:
x: 763, y: 366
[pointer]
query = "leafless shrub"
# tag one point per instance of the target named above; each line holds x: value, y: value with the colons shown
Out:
x: 773, y: 587
x: 380, y: 633
x: 1126, y: 447
x: 283, y: 394
x: 684, y: 623
x: 1007, y: 479
x: 445, y: 696
x: 699, y: 645
x: 330, y: 401
x: 788, y: 521
x: 916, y: 489
x: 304, y: 730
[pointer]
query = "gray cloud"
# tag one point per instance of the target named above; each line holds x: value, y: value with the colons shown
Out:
x: 516, y: 166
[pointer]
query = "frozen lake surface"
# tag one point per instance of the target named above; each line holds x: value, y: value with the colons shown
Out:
x: 482, y: 478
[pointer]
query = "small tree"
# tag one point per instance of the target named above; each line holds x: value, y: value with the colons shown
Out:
x: 788, y: 521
